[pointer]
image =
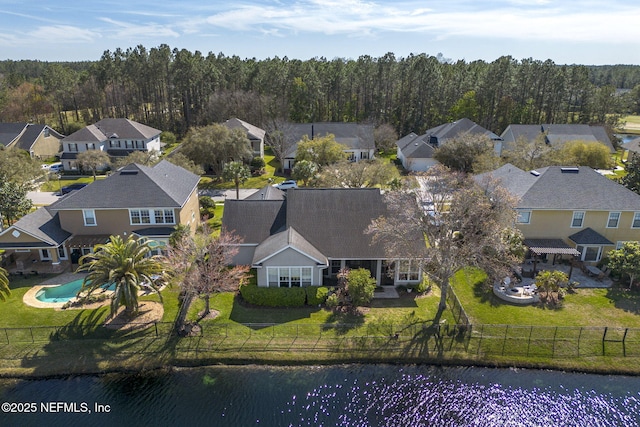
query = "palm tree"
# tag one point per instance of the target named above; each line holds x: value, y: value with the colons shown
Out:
x: 4, y: 285
x: 128, y: 265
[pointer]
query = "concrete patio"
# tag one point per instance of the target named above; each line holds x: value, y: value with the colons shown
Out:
x: 585, y: 280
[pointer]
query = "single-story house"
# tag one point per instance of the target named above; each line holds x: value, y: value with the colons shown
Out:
x: 305, y: 238
x: 40, y: 141
x: 555, y: 135
x: 254, y: 134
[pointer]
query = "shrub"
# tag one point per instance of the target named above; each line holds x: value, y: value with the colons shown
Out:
x: 361, y: 286
x: 206, y: 202
x: 425, y: 285
x: 332, y: 301
x: 273, y: 297
x: 316, y: 295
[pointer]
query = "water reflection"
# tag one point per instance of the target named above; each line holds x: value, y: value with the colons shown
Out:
x: 350, y: 395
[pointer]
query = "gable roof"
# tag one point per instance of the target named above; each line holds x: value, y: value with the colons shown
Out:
x: 565, y: 188
x: 288, y: 238
x: 254, y: 220
x: 453, y: 129
x: 113, y: 128
x: 252, y: 131
x: 413, y: 146
x: 355, y: 136
x: 557, y: 134
x: 633, y: 145
x: 9, y: 132
x: 268, y: 192
x: 31, y: 134
x: 589, y: 236
x: 43, y: 224
x: 135, y: 186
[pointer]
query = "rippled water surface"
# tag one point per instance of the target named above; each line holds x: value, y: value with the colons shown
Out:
x: 349, y: 395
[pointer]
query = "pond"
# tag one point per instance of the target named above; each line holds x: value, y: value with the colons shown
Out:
x: 345, y: 395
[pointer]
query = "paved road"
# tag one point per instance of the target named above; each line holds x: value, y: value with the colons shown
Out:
x: 42, y: 198
x: 221, y: 195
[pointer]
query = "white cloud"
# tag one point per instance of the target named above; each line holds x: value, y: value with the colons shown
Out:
x: 121, y: 29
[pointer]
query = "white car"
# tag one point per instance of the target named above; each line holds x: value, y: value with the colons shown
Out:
x: 285, y: 185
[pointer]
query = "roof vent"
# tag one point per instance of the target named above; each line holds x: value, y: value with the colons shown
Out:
x: 129, y: 172
x: 570, y: 170
x: 535, y: 173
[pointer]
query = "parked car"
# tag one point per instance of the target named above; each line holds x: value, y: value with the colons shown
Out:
x: 55, y: 167
x: 285, y: 185
x: 72, y: 187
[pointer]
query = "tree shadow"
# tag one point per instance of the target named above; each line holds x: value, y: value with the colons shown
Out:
x: 343, y: 319
x: 625, y: 299
x: 82, y: 345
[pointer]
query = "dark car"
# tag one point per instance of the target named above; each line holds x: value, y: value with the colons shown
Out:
x: 72, y: 187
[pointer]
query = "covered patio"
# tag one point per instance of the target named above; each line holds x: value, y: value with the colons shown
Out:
x: 541, y: 249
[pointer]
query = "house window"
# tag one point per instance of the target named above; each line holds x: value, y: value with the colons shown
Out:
x: 164, y: 216
x: 614, y: 218
x: 578, y: 219
x: 73, y: 147
x: 86, y: 251
x: 140, y: 144
x: 115, y: 144
x: 408, y: 270
x: 336, y: 265
x: 62, y: 253
x: 524, y: 217
x: 128, y: 144
x: 636, y: 220
x: 364, y: 155
x: 45, y: 255
x: 619, y: 243
x: 89, y: 217
x: 287, y: 277
x: 91, y: 146
x: 46, y: 132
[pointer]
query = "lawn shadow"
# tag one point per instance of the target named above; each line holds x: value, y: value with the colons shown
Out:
x: 27, y: 281
x: 343, y: 319
x: 408, y: 301
x: 625, y: 299
x: 261, y: 317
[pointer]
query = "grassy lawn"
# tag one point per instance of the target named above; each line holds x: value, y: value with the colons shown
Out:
x: 53, y: 185
x: 585, y: 307
x: 631, y: 124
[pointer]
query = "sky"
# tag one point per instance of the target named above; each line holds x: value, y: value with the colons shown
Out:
x: 589, y: 32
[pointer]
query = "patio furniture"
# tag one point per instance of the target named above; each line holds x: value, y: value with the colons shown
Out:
x: 593, y: 270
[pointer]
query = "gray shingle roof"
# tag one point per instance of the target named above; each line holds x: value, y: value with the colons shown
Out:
x: 633, y: 145
x: 254, y: 220
x: 135, y: 186
x: 414, y: 146
x: 287, y: 238
x: 453, y: 129
x: 10, y: 131
x: 556, y: 134
x: 252, y: 131
x: 562, y: 188
x: 43, y: 224
x: 117, y: 128
x: 353, y: 135
x: 588, y: 236
x: 268, y: 192
x: 30, y: 135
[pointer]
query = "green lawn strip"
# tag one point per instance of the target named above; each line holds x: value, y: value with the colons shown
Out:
x: 53, y: 185
x: 584, y: 308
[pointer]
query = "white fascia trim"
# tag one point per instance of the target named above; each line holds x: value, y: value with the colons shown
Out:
x: 290, y: 247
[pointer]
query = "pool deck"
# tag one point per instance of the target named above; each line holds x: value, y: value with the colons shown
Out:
x: 30, y: 299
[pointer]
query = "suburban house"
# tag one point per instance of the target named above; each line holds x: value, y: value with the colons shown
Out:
x: 118, y: 137
x: 254, y: 134
x: 555, y: 135
x: 358, y: 138
x: 632, y: 147
x: 40, y: 141
x: 416, y: 151
x: 135, y: 200
x: 570, y: 210
x: 305, y: 238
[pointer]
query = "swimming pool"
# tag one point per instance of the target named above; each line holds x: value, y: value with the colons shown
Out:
x: 61, y: 293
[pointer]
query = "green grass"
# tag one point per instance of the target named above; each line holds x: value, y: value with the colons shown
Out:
x: 631, y: 125
x: 54, y: 185
x: 585, y: 307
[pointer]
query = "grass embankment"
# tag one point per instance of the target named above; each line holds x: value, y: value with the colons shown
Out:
x: 631, y: 125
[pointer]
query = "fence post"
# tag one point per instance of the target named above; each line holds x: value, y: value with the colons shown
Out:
x: 624, y: 342
x: 504, y: 342
x: 555, y: 334
x: 579, y: 336
x: 529, y: 340
x: 481, y: 336
x: 155, y: 324
x: 32, y: 339
x: 604, y: 336
x: 7, y: 335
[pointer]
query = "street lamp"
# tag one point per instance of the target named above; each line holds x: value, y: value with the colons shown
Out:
x: 58, y: 175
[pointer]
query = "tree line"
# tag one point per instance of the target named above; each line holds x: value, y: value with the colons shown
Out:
x: 176, y: 89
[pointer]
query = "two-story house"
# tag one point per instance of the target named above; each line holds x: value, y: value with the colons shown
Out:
x: 571, y: 208
x: 118, y: 137
x: 144, y: 201
x: 40, y: 141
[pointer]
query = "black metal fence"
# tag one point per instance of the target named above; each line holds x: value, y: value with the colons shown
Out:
x: 387, y: 339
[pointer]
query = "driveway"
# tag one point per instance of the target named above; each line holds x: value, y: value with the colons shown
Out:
x: 222, y: 195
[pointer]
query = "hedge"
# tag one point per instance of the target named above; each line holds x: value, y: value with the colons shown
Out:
x: 273, y: 297
x: 283, y: 297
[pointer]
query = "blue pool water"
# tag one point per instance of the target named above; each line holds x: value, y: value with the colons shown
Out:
x: 61, y: 293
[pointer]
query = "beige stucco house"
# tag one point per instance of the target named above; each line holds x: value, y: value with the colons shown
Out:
x: 571, y: 207
x: 40, y: 141
x: 135, y: 200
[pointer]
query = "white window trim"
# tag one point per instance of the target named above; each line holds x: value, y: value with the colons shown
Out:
x: 93, y: 215
x: 636, y: 215
x: 414, y: 267
x: 529, y: 219
x: 64, y: 251
x: 609, y: 219
x: 152, y: 216
x: 301, y: 267
x: 574, y: 216
x: 43, y: 257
